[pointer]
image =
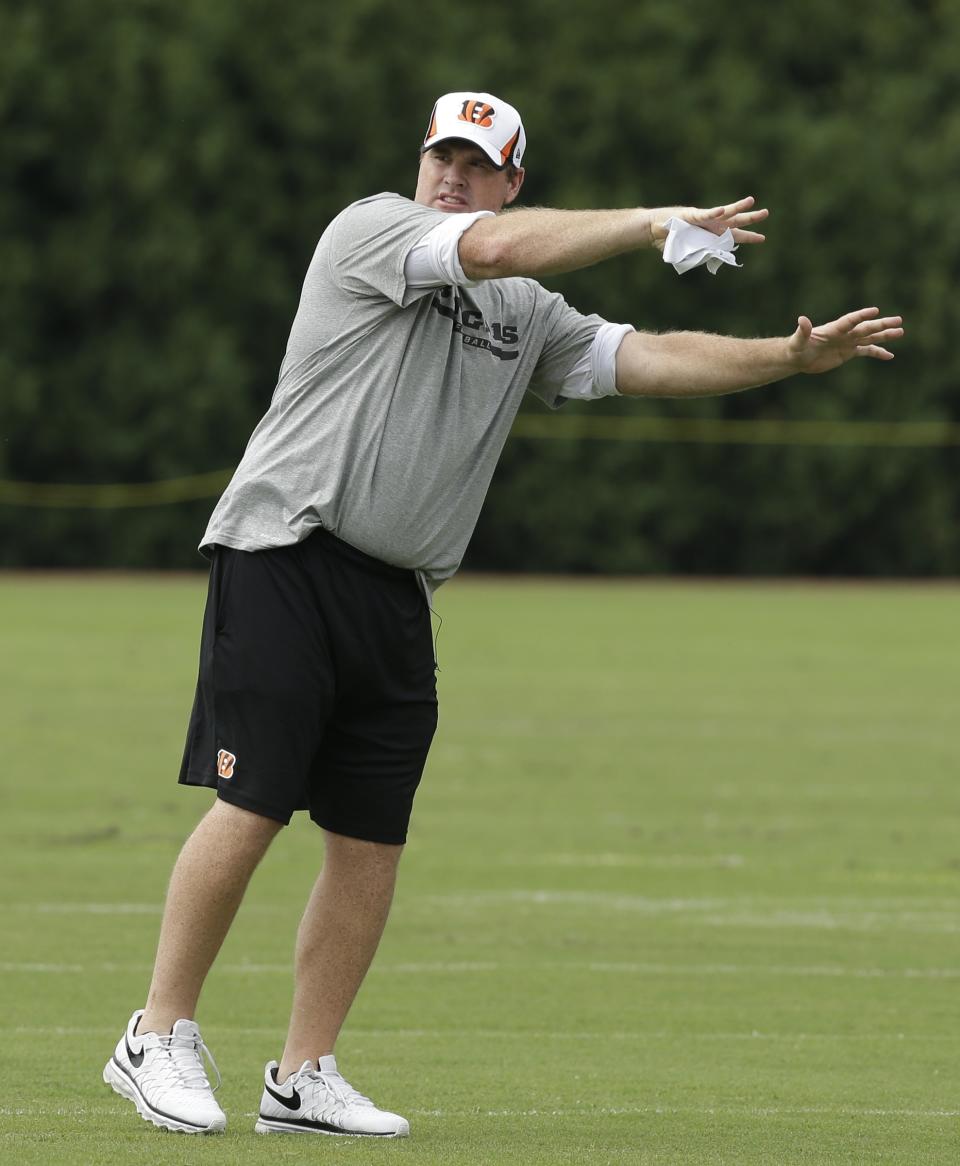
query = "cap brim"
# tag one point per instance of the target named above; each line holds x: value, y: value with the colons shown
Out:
x: 491, y: 151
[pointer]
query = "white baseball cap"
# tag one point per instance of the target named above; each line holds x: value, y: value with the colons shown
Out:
x: 483, y: 119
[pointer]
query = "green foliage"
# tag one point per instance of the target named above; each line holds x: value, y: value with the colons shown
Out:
x: 169, y: 167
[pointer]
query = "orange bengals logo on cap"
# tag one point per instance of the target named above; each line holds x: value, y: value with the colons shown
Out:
x: 477, y: 112
x: 225, y: 763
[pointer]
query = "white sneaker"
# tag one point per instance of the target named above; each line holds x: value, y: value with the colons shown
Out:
x: 320, y: 1101
x: 165, y: 1079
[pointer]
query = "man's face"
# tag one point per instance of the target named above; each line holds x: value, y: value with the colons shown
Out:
x: 459, y: 177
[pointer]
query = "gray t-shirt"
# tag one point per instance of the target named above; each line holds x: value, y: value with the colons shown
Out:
x: 394, y: 403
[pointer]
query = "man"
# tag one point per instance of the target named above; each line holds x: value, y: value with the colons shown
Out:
x: 420, y: 327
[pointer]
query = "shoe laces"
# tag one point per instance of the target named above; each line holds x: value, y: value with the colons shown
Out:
x: 341, y: 1088
x: 184, y: 1061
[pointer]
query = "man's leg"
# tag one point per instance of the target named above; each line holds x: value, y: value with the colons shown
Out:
x: 338, y: 937
x: 158, y: 1062
x: 206, y: 887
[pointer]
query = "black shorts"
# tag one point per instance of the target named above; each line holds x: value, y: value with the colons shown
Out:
x: 316, y: 690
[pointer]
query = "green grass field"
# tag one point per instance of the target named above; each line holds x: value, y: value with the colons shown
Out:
x: 682, y: 886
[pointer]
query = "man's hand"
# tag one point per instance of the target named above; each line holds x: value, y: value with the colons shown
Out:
x: 737, y: 216
x: 827, y: 346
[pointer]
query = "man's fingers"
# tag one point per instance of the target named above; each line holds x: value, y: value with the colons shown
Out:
x: 850, y: 321
x: 735, y: 208
x: 748, y: 217
x: 873, y: 328
x: 882, y: 335
x: 863, y: 325
x: 873, y: 332
x: 733, y: 214
x: 875, y: 351
x: 747, y: 237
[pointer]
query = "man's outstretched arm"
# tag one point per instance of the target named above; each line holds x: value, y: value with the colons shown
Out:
x: 540, y: 241
x: 698, y: 364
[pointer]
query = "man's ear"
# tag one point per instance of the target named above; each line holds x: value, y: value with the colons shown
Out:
x: 515, y: 183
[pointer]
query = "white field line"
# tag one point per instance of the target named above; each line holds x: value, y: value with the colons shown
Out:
x: 578, y: 1112
x: 829, y: 914
x: 905, y: 914
x: 704, y: 1111
x: 699, y: 912
x: 524, y: 1035
x: 111, y: 908
x: 35, y: 968
x: 906, y: 906
x: 466, y: 968
x: 86, y: 908
x: 861, y: 904
x: 12, y: 968
x: 655, y: 969
x: 928, y: 923
x: 621, y: 861
x: 695, y: 1111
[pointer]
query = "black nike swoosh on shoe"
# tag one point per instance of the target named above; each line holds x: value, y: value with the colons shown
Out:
x: 291, y: 1102
x: 136, y: 1059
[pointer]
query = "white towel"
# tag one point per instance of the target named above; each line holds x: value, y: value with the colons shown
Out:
x: 687, y: 246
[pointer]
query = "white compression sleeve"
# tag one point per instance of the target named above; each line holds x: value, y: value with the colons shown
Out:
x: 595, y: 373
x: 435, y: 260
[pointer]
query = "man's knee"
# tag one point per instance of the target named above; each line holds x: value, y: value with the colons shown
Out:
x: 243, y: 825
x: 342, y: 850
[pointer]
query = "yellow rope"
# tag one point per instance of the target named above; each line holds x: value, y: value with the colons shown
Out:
x: 114, y: 496
x: 719, y: 431
x: 707, y: 431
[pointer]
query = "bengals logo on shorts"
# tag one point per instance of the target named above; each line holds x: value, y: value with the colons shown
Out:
x: 477, y: 112
x: 225, y: 763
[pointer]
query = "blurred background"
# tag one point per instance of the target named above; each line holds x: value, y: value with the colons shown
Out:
x: 168, y: 168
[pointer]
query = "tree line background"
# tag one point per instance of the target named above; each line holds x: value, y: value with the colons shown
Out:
x: 168, y: 168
